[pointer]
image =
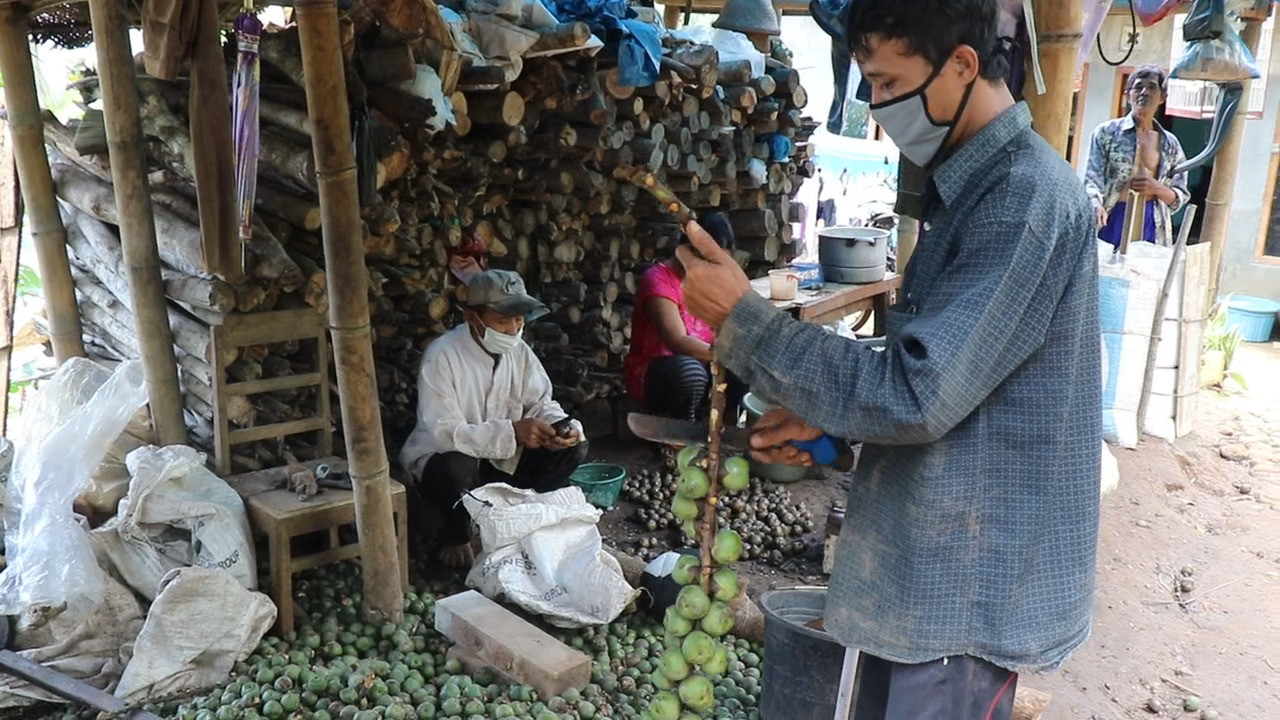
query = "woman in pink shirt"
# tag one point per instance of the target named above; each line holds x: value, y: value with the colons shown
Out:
x: 667, y: 368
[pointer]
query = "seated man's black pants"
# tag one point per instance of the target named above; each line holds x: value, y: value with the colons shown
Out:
x: 447, y: 476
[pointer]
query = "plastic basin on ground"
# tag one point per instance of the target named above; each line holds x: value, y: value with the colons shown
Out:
x: 755, y: 407
x: 1253, y: 315
x: 600, y: 482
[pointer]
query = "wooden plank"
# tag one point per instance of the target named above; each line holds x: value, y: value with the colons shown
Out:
x: 331, y: 508
x: 261, y: 481
x: 221, y: 428
x: 510, y: 644
x: 326, y: 557
x: 275, y: 430
x: 1195, y: 308
x: 10, y: 244
x: 264, y: 385
x: 325, y: 436
x: 270, y: 327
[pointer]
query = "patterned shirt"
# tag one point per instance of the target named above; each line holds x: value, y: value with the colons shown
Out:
x: 1111, y: 158
x: 972, y: 520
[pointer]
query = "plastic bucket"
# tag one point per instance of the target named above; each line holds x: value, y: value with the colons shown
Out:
x: 600, y: 482
x: 801, y: 665
x: 1253, y: 315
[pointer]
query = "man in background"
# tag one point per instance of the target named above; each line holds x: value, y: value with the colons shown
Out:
x: 485, y: 412
x: 1134, y: 153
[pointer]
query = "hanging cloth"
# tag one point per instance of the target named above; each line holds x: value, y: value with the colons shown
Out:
x: 245, y: 107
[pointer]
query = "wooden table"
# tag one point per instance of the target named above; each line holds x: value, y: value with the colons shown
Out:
x: 832, y: 302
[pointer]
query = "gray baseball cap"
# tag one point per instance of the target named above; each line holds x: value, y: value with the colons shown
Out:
x: 503, y: 291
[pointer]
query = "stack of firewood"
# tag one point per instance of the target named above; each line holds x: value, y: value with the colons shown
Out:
x: 524, y: 171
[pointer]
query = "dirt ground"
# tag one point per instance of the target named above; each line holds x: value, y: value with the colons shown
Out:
x: 1188, y: 585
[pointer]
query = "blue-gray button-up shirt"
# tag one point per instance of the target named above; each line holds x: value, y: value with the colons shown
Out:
x: 972, y: 521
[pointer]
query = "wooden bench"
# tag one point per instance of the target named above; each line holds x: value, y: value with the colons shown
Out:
x: 280, y: 516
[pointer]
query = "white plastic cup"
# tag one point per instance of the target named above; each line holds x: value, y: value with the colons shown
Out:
x: 783, y: 284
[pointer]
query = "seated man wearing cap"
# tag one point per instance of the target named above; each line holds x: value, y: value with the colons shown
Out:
x: 485, y: 412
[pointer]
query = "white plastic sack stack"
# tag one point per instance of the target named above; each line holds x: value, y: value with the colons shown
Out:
x: 62, y: 439
x: 542, y: 551
x: 1129, y: 289
x: 201, y: 624
x: 84, y: 645
x: 177, y: 514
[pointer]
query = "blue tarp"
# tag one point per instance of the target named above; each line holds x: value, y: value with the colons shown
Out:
x: 639, y: 45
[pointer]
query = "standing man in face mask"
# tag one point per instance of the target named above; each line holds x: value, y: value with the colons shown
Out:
x: 967, y: 552
x: 485, y: 412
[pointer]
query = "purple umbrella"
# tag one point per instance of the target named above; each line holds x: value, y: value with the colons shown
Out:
x: 244, y: 111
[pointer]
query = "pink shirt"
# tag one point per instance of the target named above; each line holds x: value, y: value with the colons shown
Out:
x: 660, y: 281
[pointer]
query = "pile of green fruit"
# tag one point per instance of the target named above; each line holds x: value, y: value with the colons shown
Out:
x: 336, y: 667
x: 696, y: 624
x: 773, y: 527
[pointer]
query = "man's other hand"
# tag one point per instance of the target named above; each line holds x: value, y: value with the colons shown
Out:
x: 533, y: 433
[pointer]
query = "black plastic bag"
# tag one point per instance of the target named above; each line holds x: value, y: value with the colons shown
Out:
x: 1207, y: 20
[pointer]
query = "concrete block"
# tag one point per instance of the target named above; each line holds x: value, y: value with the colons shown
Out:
x: 489, y: 634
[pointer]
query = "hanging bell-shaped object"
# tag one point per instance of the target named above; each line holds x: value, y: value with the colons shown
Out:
x: 753, y: 17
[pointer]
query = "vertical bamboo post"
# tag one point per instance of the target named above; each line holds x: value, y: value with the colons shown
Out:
x: 1058, y: 33
x: 47, y: 232
x: 1222, y: 184
x: 137, y: 223
x: 349, y: 303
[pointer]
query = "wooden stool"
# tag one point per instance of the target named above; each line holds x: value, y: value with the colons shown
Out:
x: 281, y: 516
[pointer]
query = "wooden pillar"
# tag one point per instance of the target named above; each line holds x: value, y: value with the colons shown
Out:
x: 1058, y: 34
x: 137, y: 223
x: 10, y: 245
x: 1222, y: 184
x: 349, y: 303
x: 49, y: 236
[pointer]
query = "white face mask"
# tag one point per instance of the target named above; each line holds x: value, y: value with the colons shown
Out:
x: 500, y: 343
x: 907, y: 121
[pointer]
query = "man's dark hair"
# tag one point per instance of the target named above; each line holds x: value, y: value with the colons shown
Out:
x: 1152, y: 72
x: 718, y: 227
x: 932, y: 29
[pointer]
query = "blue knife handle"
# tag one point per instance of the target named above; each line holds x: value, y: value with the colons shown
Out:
x: 823, y: 450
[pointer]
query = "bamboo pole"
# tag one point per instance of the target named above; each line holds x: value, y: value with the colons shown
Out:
x: 1222, y: 185
x: 1058, y: 33
x: 47, y: 232
x: 137, y: 223
x: 349, y: 304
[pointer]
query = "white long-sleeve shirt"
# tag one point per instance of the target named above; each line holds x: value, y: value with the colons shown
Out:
x: 468, y: 404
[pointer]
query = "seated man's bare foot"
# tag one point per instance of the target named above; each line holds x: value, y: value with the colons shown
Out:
x: 457, y: 556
